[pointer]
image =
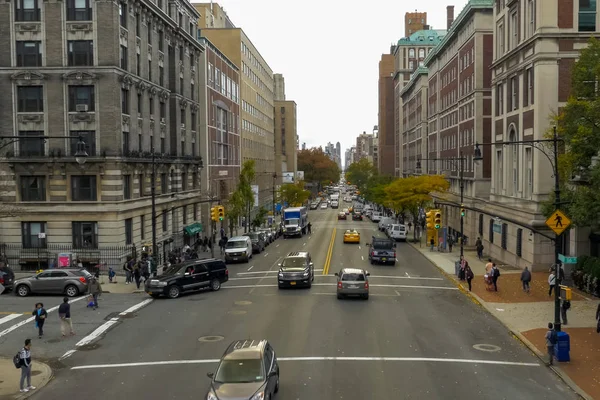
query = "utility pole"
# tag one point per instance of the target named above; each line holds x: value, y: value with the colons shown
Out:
x: 210, y: 228
x: 557, y: 242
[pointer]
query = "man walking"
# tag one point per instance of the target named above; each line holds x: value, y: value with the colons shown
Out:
x: 64, y: 313
x: 495, y: 276
x: 479, y: 247
x: 96, y: 289
x: 564, y: 307
x: 450, y: 243
x: 25, y: 359
x: 550, y: 342
x: 551, y: 283
x: 526, y: 279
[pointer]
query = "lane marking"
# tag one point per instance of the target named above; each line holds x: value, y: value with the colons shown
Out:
x: 136, y: 307
x: 407, y: 275
x: 250, y: 268
x: 303, y: 244
x: 9, y: 317
x: 276, y: 263
x: 67, y: 355
x: 329, y: 253
x: 333, y: 285
x: 266, y: 254
x: 359, y: 247
x: 413, y: 278
x: 31, y: 319
x: 96, y: 333
x: 267, y: 272
x: 292, y: 359
x: 277, y: 246
x: 362, y: 258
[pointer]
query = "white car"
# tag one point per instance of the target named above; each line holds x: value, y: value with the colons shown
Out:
x: 324, y: 206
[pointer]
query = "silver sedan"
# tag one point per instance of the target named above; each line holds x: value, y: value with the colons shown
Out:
x: 353, y: 282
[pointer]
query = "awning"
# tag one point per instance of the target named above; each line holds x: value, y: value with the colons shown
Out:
x: 193, y: 229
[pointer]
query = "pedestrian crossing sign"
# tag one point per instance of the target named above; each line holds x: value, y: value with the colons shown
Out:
x: 558, y: 222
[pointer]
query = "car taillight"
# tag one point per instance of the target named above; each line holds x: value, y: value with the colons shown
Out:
x: 372, y: 253
x: 82, y: 279
x: 226, y: 272
x: 366, y: 285
x: 1, y: 280
x: 339, y: 284
x: 394, y: 254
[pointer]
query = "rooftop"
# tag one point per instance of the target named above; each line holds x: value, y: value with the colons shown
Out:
x: 429, y: 36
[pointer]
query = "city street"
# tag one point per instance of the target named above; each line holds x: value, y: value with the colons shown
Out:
x: 416, y: 337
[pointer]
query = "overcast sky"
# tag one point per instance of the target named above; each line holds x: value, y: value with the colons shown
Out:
x: 328, y: 52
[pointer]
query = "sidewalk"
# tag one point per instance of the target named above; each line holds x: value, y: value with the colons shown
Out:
x: 10, y: 376
x: 526, y: 315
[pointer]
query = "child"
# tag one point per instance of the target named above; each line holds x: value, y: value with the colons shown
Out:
x: 112, y: 275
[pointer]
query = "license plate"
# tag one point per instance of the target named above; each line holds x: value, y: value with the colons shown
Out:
x: 292, y: 283
x: 235, y: 258
x: 353, y: 286
x: 150, y: 293
x: 384, y: 259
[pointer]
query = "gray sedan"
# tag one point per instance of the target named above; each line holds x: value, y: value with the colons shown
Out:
x: 353, y: 282
x: 69, y: 281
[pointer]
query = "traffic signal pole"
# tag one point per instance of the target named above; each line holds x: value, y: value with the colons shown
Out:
x: 210, y: 230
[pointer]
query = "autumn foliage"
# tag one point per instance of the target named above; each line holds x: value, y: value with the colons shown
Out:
x: 317, y: 166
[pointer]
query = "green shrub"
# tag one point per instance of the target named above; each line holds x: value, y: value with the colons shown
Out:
x: 581, y: 262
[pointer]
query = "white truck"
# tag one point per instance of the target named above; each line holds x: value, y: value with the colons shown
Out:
x: 295, y: 221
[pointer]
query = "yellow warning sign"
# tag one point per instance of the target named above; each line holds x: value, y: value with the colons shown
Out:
x: 558, y: 222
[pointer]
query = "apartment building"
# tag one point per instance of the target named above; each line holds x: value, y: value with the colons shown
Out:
x: 122, y: 76
x: 536, y: 45
x: 365, y: 147
x: 219, y: 123
x: 415, y: 139
x: 458, y: 115
x: 286, y: 132
x: 256, y: 96
x: 386, y: 143
x: 409, y: 54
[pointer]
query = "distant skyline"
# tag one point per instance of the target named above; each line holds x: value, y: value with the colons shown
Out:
x: 329, y: 56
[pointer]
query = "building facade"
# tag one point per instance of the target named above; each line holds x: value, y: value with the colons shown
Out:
x: 256, y: 99
x: 219, y: 123
x: 415, y: 141
x: 286, y: 131
x: 129, y: 96
x: 386, y: 140
x: 414, y: 21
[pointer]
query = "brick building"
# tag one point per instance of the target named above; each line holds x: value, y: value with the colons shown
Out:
x: 386, y: 142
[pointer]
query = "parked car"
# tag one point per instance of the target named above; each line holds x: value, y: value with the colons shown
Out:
x: 63, y: 281
x: 189, y: 276
x: 353, y: 282
x: 247, y: 370
x: 296, y: 269
x: 268, y: 235
x: 238, y: 248
x: 258, y: 241
x: 7, y: 278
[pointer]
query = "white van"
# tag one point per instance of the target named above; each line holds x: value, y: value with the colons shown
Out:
x: 376, y: 216
x: 238, y: 248
x: 397, y: 232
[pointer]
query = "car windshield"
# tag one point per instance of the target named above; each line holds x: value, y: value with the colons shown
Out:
x: 252, y: 235
x: 235, y: 244
x: 351, y: 232
x: 240, y: 371
x: 293, y: 262
x: 174, y: 270
x: 353, y: 277
x: 383, y: 244
x: 292, y: 221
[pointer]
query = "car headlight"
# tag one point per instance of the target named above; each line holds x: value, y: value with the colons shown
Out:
x: 258, y: 396
x: 211, y: 396
x: 280, y: 274
x: 305, y: 274
x: 162, y: 283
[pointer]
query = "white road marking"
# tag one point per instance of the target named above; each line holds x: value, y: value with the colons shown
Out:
x: 9, y: 317
x: 303, y: 244
x: 276, y: 263
x: 137, y: 307
x: 250, y: 268
x: 407, y: 275
x: 99, y: 331
x: 359, y: 247
x: 67, y: 354
x: 333, y: 285
x: 414, y: 278
x: 277, y: 246
x: 31, y: 319
x: 266, y: 254
x: 296, y: 359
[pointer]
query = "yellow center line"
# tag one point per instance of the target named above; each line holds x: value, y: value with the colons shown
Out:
x: 329, y: 253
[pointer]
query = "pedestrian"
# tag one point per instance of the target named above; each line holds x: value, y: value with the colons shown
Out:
x: 551, y: 283
x: 309, y: 228
x: 137, y: 274
x: 432, y: 244
x: 469, y: 274
x: 495, y: 276
x: 112, y: 275
x: 25, y: 362
x: 526, y: 279
x: 64, y: 313
x: 479, y: 247
x: 551, y: 339
x: 461, y: 270
x: 128, y: 270
x: 95, y: 289
x: 450, y: 243
x: 40, y: 317
x: 564, y: 307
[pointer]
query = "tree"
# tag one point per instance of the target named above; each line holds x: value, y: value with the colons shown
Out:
x: 578, y: 124
x: 361, y: 174
x: 259, y: 218
x: 317, y: 166
x: 293, y: 193
x: 246, y: 196
x: 235, y: 209
x: 376, y: 191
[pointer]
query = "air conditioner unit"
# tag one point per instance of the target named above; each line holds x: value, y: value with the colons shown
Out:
x: 81, y: 108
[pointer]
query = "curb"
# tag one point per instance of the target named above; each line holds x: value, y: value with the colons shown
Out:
x: 135, y: 291
x: 517, y: 335
x: 47, y: 374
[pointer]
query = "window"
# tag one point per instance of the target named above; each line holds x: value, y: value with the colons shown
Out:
x: 163, y: 183
x: 181, y: 86
x: 587, y: 16
x: 129, y: 231
x: 194, y: 180
x: 79, y: 10
x: 142, y: 227
x: 421, y: 53
x: 142, y: 186
x: 491, y: 230
x: 149, y: 70
x: 194, y: 122
x: 480, y: 230
x: 126, y: 187
x: 514, y: 89
x: 33, y: 234
x: 514, y: 163
x: 530, y: 18
x: 29, y: 54
x: 151, y: 105
x: 33, y: 188
x: 138, y: 65
x: 411, y: 53
x: 89, y: 137
x: 149, y: 32
x: 123, y: 14
x: 81, y: 96
x: 30, y: 99
x: 140, y: 141
x: 85, y: 235
x: 83, y: 188
x: 500, y: 41
x: 192, y: 95
x: 27, y: 10
x: 530, y: 86
x: 529, y: 170
x: 185, y: 215
x: 499, y: 100
x: 165, y: 220
x: 32, y: 147
x: 161, y: 40
x: 125, y: 101
x: 163, y: 145
x: 125, y: 138
x: 161, y: 76
x: 163, y: 110
x: 123, y: 55
x: 183, y: 182
x: 504, y: 236
x: 519, y: 242
x: 514, y: 29
x: 80, y: 53
x: 137, y: 24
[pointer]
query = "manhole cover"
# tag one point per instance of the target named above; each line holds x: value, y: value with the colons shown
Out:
x: 53, y: 341
x: 211, y: 338
x: 243, y: 303
x: 34, y: 373
x: 237, y: 312
x: 490, y: 348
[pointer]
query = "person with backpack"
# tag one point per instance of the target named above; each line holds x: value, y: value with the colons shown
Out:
x: 564, y: 307
x: 469, y: 275
x: 495, y: 276
x: 22, y: 361
x: 551, y: 339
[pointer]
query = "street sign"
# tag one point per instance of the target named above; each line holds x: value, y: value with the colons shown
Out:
x: 558, y: 222
x: 567, y: 260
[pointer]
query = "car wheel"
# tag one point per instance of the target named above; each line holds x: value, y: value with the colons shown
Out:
x: 173, y: 292
x: 309, y: 284
x: 372, y: 262
x: 23, y: 290
x: 215, y: 285
x: 71, y: 291
x: 366, y: 297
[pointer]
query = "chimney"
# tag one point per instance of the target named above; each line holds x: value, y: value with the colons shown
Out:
x: 449, y: 16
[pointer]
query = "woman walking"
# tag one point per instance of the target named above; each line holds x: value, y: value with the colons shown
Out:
x: 40, y: 317
x: 469, y: 274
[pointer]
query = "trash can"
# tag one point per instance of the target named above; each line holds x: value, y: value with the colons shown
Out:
x: 562, y: 347
x: 457, y: 268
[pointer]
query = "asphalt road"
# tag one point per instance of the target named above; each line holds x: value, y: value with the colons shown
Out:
x: 416, y: 337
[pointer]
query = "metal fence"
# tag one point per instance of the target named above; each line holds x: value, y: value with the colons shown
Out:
x: 57, y: 255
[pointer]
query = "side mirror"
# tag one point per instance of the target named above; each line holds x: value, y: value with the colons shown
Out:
x: 279, y: 264
x: 311, y: 263
x: 210, y: 374
x: 368, y: 274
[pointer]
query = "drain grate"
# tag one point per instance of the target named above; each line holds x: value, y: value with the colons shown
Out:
x: 215, y: 338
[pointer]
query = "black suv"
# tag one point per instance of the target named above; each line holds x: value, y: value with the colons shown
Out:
x: 296, y: 269
x: 247, y: 370
x: 189, y: 276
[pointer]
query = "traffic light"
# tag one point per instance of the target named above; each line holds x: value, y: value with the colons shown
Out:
x: 438, y: 219
x: 462, y: 211
x: 221, y: 213
x: 214, y: 213
x: 429, y: 220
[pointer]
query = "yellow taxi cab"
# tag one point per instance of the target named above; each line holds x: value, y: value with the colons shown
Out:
x: 351, y: 210
x: 351, y: 236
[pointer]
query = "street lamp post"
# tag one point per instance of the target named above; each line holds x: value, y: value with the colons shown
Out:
x: 460, y: 160
x: 538, y: 144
